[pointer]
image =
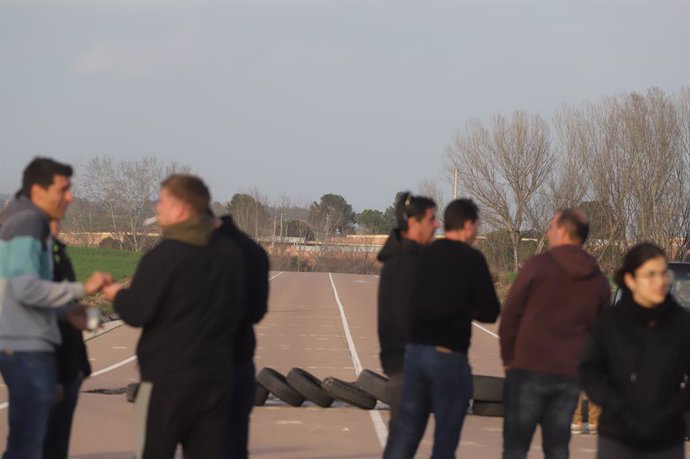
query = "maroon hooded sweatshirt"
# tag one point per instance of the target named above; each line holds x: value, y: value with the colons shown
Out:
x: 549, y: 309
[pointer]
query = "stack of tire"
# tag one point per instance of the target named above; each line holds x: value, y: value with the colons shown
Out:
x: 299, y: 386
x: 487, y: 397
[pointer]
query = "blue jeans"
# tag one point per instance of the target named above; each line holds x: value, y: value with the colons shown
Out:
x: 532, y: 398
x: 434, y: 380
x: 31, y: 383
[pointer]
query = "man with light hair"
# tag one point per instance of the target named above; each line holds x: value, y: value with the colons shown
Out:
x: 188, y: 295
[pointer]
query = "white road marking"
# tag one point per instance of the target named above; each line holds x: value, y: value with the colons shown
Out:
x: 376, y: 419
x: 486, y: 330
x: 112, y: 367
x: 119, y: 364
x: 282, y: 272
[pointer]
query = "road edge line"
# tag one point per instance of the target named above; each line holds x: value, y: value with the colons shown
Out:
x: 376, y: 419
x: 486, y: 330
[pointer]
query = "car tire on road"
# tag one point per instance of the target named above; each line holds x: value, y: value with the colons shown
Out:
x: 260, y: 395
x: 487, y: 388
x: 492, y: 409
x: 309, y: 386
x: 348, y: 393
x: 278, y: 386
x: 373, y: 384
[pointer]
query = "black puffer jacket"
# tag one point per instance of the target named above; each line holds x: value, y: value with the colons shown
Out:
x: 256, y: 265
x: 398, y: 276
x: 636, y: 364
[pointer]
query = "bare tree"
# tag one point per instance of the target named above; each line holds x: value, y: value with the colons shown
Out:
x: 430, y: 189
x: 503, y: 166
x: 127, y: 191
x: 250, y: 212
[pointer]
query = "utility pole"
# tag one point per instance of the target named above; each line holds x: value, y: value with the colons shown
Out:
x: 455, y: 183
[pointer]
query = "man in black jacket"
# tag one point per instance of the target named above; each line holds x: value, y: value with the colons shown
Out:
x: 188, y: 295
x: 72, y: 360
x: 416, y: 219
x: 454, y: 287
x: 256, y: 266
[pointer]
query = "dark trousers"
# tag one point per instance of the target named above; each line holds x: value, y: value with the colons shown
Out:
x: 194, y: 415
x: 31, y: 379
x: 56, y: 443
x: 437, y: 380
x: 394, y: 394
x: 241, y: 405
x: 532, y: 398
x: 607, y: 449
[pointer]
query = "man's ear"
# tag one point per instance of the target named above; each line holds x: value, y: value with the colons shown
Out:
x: 629, y: 281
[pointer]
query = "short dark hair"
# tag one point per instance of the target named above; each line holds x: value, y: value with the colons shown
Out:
x: 408, y: 206
x: 634, y: 258
x: 190, y: 189
x: 576, y: 222
x: 458, y: 212
x: 42, y: 172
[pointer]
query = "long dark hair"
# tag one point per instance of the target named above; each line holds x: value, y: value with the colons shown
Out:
x: 408, y: 206
x: 634, y: 258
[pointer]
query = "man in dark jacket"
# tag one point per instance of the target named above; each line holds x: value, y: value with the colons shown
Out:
x: 546, y: 316
x: 71, y: 358
x: 188, y: 295
x: 256, y: 265
x: 416, y: 219
x: 454, y: 287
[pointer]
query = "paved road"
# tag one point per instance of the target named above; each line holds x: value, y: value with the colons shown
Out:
x: 323, y: 323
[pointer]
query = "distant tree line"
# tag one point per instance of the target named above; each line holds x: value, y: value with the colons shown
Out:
x: 624, y: 159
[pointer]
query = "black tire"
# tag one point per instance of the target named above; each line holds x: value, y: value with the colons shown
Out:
x: 373, y: 384
x: 278, y: 385
x: 309, y: 386
x: 488, y: 388
x: 131, y: 393
x: 349, y: 393
x: 261, y: 395
x: 487, y: 409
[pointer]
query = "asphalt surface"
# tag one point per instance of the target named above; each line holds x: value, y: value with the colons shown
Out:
x: 325, y: 324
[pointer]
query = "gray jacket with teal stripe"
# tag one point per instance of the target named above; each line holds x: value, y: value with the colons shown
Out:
x: 28, y: 296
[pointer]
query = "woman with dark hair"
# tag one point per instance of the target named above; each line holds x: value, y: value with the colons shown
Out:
x: 637, y: 361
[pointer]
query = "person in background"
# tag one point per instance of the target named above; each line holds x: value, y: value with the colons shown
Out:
x: 256, y: 265
x: 544, y: 323
x: 637, y: 362
x: 71, y: 358
x: 416, y: 225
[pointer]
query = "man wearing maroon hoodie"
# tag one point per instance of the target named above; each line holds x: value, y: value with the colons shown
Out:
x: 545, y: 320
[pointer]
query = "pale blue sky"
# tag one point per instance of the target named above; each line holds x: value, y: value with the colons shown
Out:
x: 305, y: 98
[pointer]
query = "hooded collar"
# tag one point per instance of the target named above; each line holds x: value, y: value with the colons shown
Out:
x: 575, y: 261
x: 396, y: 244
x: 196, y: 230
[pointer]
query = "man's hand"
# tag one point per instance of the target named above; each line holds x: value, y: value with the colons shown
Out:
x: 111, y: 290
x: 96, y: 282
x: 76, y: 316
